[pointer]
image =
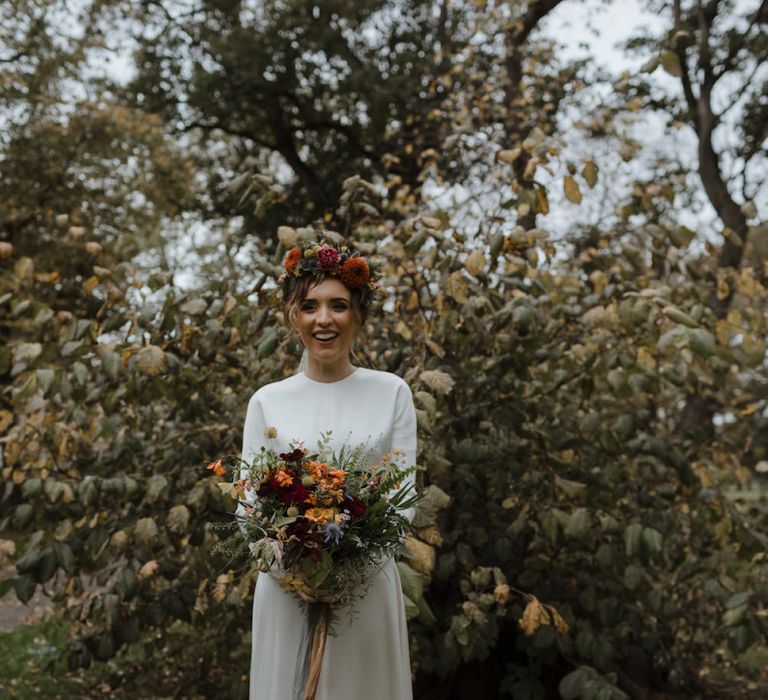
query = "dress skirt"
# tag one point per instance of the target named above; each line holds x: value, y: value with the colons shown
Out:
x: 367, y: 658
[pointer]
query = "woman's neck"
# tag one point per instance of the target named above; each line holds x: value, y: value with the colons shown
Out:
x: 328, y: 373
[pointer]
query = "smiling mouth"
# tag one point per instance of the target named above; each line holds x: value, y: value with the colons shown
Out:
x: 325, y: 339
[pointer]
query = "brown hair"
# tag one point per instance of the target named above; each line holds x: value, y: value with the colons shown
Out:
x: 293, y: 300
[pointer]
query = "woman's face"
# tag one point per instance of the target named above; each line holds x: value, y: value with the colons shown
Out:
x: 326, y: 312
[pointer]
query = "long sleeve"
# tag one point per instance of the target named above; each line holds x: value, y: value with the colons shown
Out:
x: 404, y: 433
x: 253, y: 439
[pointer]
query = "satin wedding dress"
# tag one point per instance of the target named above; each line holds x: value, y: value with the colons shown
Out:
x: 368, y: 658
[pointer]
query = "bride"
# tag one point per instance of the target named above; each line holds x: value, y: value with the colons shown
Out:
x: 327, y: 294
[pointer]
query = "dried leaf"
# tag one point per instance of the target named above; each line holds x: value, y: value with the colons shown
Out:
x: 457, y: 287
x: 534, y: 616
x: 475, y: 263
x: 509, y: 155
x: 435, y: 348
x: 422, y: 555
x: 440, y: 382
x: 589, y: 173
x: 149, y: 569
x: 571, y: 190
x: 150, y: 360
x: 194, y: 307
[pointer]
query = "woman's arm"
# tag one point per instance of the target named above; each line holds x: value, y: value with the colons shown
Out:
x: 253, y: 439
x: 404, y: 434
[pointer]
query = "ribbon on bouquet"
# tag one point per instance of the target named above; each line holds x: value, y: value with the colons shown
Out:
x: 312, y: 651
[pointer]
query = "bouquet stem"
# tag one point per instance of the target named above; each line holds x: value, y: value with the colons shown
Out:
x: 319, y: 637
x: 312, y: 650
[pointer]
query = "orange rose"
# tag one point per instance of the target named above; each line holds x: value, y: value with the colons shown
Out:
x: 292, y: 259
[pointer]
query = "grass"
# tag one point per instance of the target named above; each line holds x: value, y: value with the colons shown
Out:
x: 29, y: 667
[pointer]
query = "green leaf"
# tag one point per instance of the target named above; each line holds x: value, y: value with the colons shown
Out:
x: 572, y: 489
x: 5, y: 586
x: 734, y: 616
x: 45, y: 379
x: 702, y: 342
x: 578, y: 523
x: 652, y: 540
x: 571, y: 685
x: 81, y: 372
x: 412, y: 582
x: 738, y: 599
x: 678, y: 316
x: 111, y: 362
x: 632, y: 539
x: 25, y: 588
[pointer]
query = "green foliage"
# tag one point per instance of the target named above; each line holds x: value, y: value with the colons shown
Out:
x: 552, y: 393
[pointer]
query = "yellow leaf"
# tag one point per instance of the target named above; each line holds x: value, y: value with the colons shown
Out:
x: 475, y: 262
x: 149, y: 569
x: 646, y: 358
x: 228, y: 489
x: 434, y: 347
x: 670, y: 62
x: 90, y: 284
x: 6, y: 250
x: 6, y: 418
x: 542, y: 203
x: 533, y: 617
x: 150, y: 360
x: 402, y: 329
x: 501, y: 593
x: 589, y: 173
x: 560, y: 624
x: 530, y: 169
x: 431, y: 535
x: 219, y: 590
x: 423, y: 555
x: 457, y: 287
x: 509, y: 155
x: 7, y: 550
x: 440, y: 382
x: 571, y: 189
x: 723, y: 288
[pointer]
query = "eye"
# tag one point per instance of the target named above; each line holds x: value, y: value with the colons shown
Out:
x: 307, y: 306
x: 340, y: 306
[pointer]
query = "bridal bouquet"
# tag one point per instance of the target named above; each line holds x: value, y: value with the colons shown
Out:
x: 322, y: 524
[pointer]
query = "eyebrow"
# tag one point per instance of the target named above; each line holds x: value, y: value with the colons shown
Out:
x: 334, y: 299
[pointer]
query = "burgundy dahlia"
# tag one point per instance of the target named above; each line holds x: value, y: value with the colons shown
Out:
x: 293, y: 456
x: 354, y: 506
x: 327, y: 257
x: 269, y: 487
x: 294, y: 494
x: 298, y: 528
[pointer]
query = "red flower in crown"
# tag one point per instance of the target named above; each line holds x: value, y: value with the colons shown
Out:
x: 327, y: 257
x: 354, y: 273
x: 292, y: 259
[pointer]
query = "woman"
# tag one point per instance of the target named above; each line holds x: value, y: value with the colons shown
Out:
x: 327, y: 293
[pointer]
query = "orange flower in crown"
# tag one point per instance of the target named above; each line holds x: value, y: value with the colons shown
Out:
x: 323, y: 259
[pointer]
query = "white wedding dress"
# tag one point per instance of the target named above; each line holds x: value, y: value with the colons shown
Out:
x: 367, y: 659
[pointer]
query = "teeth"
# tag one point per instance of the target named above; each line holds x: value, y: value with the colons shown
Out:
x: 325, y: 336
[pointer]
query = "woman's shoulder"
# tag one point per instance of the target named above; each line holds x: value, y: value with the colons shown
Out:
x: 277, y: 388
x: 384, y: 379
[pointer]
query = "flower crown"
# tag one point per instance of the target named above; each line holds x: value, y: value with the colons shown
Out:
x: 323, y: 259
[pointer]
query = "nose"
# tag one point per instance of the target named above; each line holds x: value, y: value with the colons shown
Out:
x: 323, y: 315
